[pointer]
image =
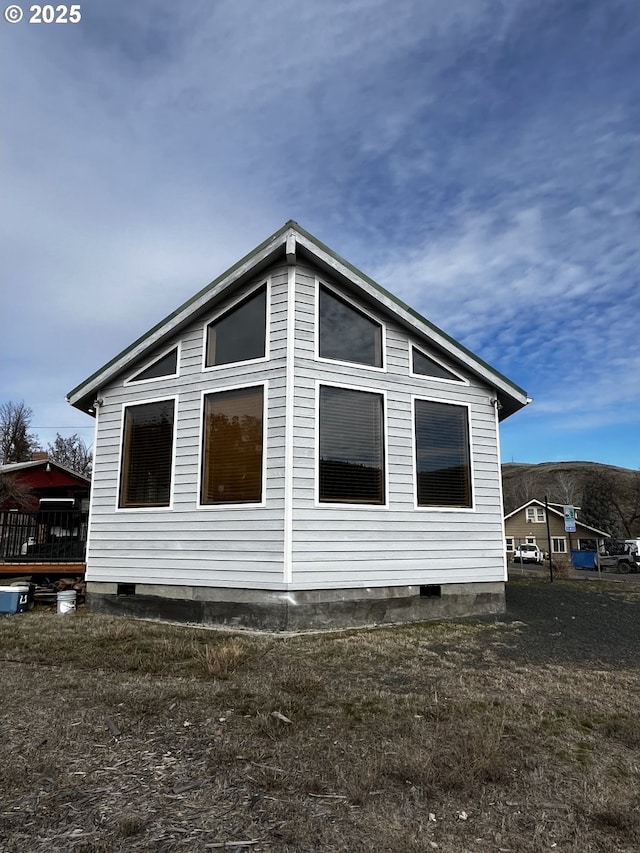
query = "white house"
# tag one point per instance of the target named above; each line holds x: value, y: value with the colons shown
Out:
x: 296, y: 448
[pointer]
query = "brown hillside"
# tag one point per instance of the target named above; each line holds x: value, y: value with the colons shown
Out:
x: 564, y: 483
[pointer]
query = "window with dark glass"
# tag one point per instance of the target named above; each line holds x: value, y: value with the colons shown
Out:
x: 346, y: 334
x: 425, y: 366
x: 232, y: 450
x: 240, y: 334
x: 443, y: 467
x: 166, y: 365
x: 351, y: 442
x: 147, y: 455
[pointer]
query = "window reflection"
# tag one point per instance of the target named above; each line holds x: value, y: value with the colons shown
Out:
x: 425, y: 366
x: 232, y: 453
x: 240, y: 334
x: 351, y: 464
x: 442, y: 454
x: 346, y: 334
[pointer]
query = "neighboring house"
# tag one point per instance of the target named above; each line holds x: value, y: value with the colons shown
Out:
x: 528, y: 524
x: 47, y: 481
x: 295, y: 448
x: 43, y: 526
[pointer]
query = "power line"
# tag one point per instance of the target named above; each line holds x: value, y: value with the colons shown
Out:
x: 62, y: 427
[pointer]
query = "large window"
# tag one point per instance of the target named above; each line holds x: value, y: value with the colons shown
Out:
x: 240, y: 334
x: 346, y: 334
x: 232, y: 451
x: 351, y: 443
x: 147, y: 455
x: 443, y: 469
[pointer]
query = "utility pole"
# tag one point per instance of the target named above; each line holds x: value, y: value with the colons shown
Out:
x: 546, y: 513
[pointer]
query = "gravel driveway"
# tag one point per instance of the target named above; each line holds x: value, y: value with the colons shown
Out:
x: 577, y: 621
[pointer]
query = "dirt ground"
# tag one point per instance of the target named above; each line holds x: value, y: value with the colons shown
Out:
x: 514, y: 734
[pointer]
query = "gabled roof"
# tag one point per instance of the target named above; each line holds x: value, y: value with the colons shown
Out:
x: 286, y: 243
x: 16, y: 467
x: 551, y: 508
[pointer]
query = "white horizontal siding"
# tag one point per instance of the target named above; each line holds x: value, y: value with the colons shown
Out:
x: 373, y: 546
x: 342, y: 546
x: 210, y: 546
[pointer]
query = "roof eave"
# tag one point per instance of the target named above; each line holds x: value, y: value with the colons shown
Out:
x: 15, y: 467
x: 510, y: 398
x: 83, y: 395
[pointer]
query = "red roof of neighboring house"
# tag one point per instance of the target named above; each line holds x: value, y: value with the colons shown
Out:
x: 46, y: 479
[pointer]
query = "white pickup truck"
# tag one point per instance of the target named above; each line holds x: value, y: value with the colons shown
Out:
x: 528, y: 554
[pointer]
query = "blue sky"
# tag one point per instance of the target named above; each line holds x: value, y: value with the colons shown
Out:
x: 479, y: 159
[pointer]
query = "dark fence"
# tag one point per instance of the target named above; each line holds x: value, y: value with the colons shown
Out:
x: 44, y: 536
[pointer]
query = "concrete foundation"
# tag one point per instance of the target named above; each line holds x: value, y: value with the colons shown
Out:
x: 296, y: 611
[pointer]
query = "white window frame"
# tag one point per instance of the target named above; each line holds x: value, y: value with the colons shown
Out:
x: 125, y: 406
x: 422, y: 376
x: 414, y: 460
x: 234, y: 506
x: 536, y: 515
x: 555, y: 540
x: 509, y: 542
x: 137, y: 382
x: 363, y: 507
x: 354, y: 365
x: 530, y: 540
x: 227, y: 310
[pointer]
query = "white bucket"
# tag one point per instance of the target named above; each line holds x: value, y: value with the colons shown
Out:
x: 67, y: 601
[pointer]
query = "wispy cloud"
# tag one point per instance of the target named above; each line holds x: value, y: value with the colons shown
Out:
x: 479, y: 159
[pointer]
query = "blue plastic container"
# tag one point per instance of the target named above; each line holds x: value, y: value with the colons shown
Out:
x: 9, y: 599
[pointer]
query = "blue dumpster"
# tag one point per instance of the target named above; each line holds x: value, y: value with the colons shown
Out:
x: 584, y: 559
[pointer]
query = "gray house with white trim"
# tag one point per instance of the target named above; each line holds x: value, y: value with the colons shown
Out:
x: 296, y: 448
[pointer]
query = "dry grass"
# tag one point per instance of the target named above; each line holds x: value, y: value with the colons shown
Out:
x: 221, y: 660
x: 418, y: 738
x: 562, y: 567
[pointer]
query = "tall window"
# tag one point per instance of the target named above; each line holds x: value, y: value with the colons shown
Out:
x: 240, y: 334
x: 232, y: 451
x: 443, y: 467
x: 351, y: 442
x: 558, y: 545
x: 147, y: 455
x: 425, y: 366
x: 346, y: 334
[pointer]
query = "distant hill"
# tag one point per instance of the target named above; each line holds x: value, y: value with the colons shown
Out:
x: 609, y: 495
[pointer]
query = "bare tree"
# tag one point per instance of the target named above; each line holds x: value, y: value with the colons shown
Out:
x: 567, y: 487
x: 14, y: 494
x: 73, y: 453
x: 598, y: 508
x: 520, y: 488
x: 16, y: 442
x: 626, y: 503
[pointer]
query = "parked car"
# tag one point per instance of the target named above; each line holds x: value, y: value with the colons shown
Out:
x: 621, y: 556
x: 528, y: 554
